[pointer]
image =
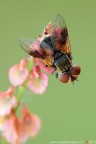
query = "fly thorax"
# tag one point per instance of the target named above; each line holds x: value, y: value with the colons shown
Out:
x: 63, y: 63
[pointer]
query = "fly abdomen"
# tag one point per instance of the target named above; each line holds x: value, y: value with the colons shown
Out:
x: 63, y: 63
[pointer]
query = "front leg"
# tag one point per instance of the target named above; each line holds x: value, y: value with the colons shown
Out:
x: 55, y: 72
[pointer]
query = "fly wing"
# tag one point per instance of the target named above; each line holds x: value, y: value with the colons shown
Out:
x: 58, y: 28
x: 32, y: 47
x: 59, y: 22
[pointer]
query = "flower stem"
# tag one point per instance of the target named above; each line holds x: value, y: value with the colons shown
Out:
x: 20, y: 93
x: 30, y: 64
x: 23, y: 86
x: 4, y: 141
x: 19, y: 96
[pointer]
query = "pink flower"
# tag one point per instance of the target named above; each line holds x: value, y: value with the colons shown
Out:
x: 48, y: 70
x: 31, y: 123
x: 2, y: 120
x: 13, y: 130
x: 7, y: 101
x: 17, y: 131
x: 18, y: 73
x: 38, y: 81
x: 9, y: 130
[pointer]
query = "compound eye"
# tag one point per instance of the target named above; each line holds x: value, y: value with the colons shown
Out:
x: 72, y: 78
x: 75, y: 71
x: 64, y: 77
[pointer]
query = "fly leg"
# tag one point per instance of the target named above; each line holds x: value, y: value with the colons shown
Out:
x: 55, y: 72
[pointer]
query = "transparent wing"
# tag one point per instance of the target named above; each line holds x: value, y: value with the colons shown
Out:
x: 32, y: 47
x: 59, y: 22
x: 58, y: 29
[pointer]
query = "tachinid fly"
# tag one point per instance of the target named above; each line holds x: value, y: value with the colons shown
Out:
x: 54, y: 50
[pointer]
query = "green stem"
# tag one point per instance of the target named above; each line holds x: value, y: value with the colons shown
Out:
x: 20, y: 93
x: 21, y: 88
x: 4, y: 141
x: 19, y: 96
x: 30, y: 65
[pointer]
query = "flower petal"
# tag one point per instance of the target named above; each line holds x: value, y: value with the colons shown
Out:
x: 18, y: 74
x: 43, y: 66
x: 9, y: 131
x: 7, y: 102
x: 13, y: 130
x: 38, y: 84
x: 31, y: 123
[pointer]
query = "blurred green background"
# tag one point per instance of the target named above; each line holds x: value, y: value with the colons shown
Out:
x: 67, y: 111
